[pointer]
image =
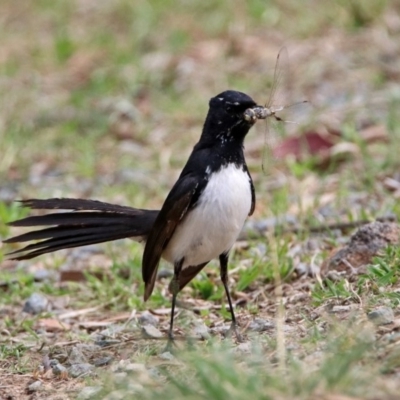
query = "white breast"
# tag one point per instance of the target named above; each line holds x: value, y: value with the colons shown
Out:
x: 213, y: 226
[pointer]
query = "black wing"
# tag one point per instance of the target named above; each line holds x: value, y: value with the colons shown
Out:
x: 253, y: 193
x: 181, y: 198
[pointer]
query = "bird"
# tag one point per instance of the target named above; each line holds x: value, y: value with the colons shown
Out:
x: 200, y: 219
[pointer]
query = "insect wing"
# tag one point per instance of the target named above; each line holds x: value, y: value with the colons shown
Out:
x: 275, y: 103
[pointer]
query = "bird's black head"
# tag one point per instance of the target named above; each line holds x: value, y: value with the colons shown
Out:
x: 226, y: 120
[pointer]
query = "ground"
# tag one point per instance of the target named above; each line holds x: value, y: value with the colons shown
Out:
x: 105, y: 100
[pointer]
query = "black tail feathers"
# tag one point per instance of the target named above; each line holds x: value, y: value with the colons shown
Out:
x: 87, y: 222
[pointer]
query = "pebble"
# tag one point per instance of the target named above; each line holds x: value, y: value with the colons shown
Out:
x: 77, y: 370
x: 100, y: 362
x: 151, y: 332
x: 35, y: 386
x: 243, y: 348
x: 87, y: 347
x: 106, y: 342
x: 155, y: 373
x: 126, y: 365
x: 112, y: 330
x: 394, y: 337
x: 148, y: 318
x: 76, y: 356
x: 43, y: 275
x: 89, y: 392
x: 36, y: 304
x: 164, y: 273
x: 58, y: 368
x: 261, y: 325
x: 166, y: 356
x: 202, y: 331
x: 381, y: 316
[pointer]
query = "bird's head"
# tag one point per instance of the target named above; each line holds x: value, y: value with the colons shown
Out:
x: 230, y: 116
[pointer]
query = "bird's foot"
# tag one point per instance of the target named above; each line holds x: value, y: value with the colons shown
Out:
x: 234, y: 329
x: 171, y: 344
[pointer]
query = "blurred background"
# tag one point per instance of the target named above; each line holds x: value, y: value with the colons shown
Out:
x: 105, y: 99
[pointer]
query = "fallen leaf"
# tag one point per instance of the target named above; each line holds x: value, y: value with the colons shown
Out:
x: 77, y: 275
x: 374, y: 133
x: 94, y: 324
x: 308, y: 143
x: 52, y: 325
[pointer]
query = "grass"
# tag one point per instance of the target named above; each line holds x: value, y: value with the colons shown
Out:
x: 106, y: 100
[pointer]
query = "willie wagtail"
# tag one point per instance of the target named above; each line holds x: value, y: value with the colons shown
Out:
x: 200, y: 219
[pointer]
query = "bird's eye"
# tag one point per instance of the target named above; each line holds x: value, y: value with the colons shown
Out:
x: 233, y: 107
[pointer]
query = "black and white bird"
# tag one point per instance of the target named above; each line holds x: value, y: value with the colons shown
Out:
x: 199, y: 221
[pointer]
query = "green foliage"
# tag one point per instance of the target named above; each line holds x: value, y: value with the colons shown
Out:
x: 12, y: 351
x: 385, y: 270
x: 8, y: 213
x: 63, y: 46
x: 332, y: 290
x: 382, y: 278
x: 205, y: 287
x: 376, y: 284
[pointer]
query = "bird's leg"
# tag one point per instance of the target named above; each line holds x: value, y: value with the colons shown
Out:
x: 174, y: 289
x: 223, y: 260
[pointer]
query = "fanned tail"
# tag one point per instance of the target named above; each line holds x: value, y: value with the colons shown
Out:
x: 87, y: 222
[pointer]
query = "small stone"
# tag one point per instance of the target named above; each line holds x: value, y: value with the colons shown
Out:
x: 261, y: 325
x: 106, y: 342
x: 100, y: 362
x: 394, y: 337
x: 126, y: 365
x: 201, y: 330
x: 89, y: 392
x: 77, y: 370
x: 76, y: 356
x: 87, y: 347
x: 43, y: 275
x: 112, y: 330
x: 259, y: 250
x: 148, y: 318
x: 164, y: 273
x: 243, y: 348
x: 381, y: 316
x: 221, y: 330
x: 135, y: 367
x: 36, y: 304
x: 151, y: 332
x: 35, y: 386
x: 166, y: 356
x: 57, y: 368
x: 337, y: 309
x: 155, y: 373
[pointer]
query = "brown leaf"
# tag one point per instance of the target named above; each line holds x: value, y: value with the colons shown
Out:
x: 78, y: 313
x: 53, y: 325
x: 94, y: 324
x: 77, y: 275
x: 309, y: 143
x: 374, y: 133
